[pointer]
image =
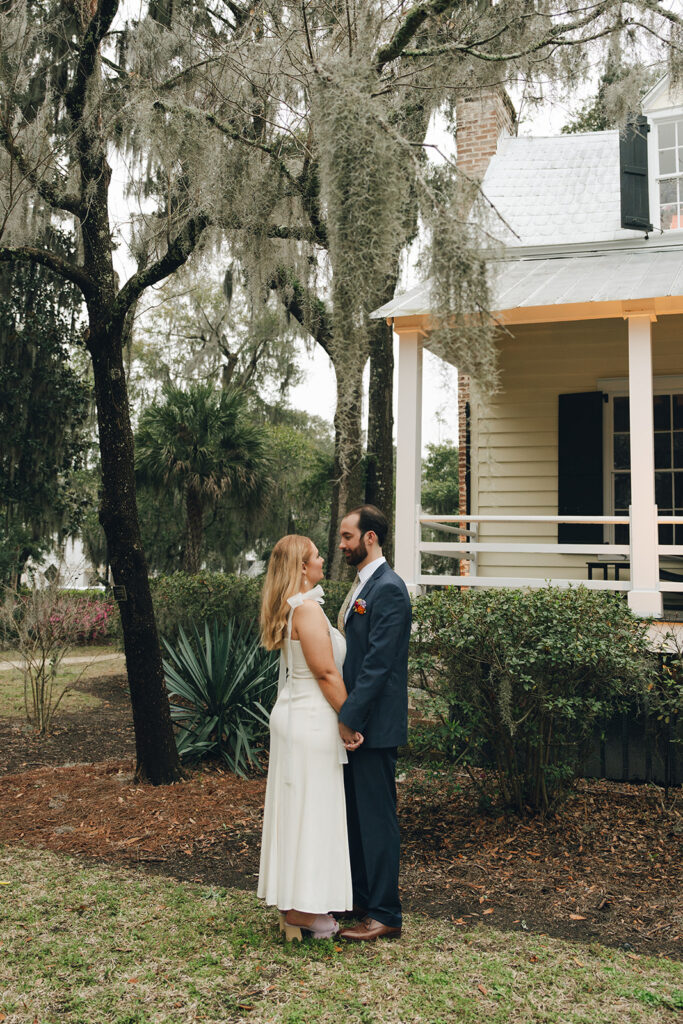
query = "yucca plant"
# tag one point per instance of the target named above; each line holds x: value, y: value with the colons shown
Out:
x: 226, y: 681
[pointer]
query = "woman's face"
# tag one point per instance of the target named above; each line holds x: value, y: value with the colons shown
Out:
x: 313, y: 568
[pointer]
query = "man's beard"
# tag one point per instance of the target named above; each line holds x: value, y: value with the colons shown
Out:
x: 354, y: 557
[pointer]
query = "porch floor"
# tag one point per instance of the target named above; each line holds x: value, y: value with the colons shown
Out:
x: 661, y: 628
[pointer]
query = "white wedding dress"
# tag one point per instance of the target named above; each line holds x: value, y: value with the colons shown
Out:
x: 304, y: 847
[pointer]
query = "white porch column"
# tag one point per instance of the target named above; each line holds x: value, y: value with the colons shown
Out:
x: 645, y: 597
x: 408, y: 456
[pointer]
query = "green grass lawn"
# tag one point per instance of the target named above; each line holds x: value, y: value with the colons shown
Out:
x: 96, y: 945
x: 12, y: 683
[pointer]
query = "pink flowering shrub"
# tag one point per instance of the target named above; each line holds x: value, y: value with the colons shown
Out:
x: 86, y: 620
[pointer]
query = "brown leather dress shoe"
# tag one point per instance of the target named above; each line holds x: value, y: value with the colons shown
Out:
x: 368, y: 930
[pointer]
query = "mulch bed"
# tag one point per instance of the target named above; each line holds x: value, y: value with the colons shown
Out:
x: 607, y: 867
x: 101, y: 732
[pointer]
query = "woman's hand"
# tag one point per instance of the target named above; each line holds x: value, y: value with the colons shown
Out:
x: 350, y: 737
x: 354, y: 745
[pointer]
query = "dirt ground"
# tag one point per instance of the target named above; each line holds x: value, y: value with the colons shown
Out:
x: 607, y: 867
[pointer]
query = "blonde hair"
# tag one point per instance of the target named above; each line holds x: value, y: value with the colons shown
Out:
x: 283, y: 579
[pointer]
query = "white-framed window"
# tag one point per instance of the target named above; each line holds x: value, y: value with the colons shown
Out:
x: 670, y: 173
x: 668, y: 439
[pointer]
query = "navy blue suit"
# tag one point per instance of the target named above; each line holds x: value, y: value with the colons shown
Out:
x: 376, y: 678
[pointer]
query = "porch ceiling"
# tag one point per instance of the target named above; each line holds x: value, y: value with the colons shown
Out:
x: 586, y: 284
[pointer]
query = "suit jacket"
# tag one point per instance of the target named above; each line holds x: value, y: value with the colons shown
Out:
x: 376, y: 664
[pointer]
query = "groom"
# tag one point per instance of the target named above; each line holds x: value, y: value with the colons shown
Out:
x: 376, y: 618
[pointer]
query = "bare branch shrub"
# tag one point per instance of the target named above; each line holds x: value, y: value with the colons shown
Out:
x: 43, y: 624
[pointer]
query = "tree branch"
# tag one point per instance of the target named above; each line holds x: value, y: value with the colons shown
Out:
x: 97, y: 29
x: 299, y: 234
x: 306, y: 185
x: 52, y: 195
x: 492, y: 58
x: 310, y: 311
x: 59, y: 264
x: 232, y: 133
x: 178, y: 251
x: 412, y: 22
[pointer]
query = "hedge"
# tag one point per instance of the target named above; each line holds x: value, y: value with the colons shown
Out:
x: 181, y: 600
x: 522, y: 677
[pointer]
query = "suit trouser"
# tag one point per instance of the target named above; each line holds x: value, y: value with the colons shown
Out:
x: 370, y: 784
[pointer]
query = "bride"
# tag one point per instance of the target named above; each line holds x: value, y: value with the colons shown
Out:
x: 305, y: 869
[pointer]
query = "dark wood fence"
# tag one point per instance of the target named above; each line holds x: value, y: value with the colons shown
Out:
x: 635, y: 747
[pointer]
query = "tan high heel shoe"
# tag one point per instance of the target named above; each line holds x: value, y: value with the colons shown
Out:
x: 293, y: 932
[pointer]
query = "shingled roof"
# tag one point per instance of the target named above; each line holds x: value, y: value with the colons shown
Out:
x: 557, y: 191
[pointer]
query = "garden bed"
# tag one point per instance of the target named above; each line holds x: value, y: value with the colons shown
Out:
x: 607, y: 866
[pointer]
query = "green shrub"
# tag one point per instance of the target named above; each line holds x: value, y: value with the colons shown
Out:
x: 225, y: 680
x: 663, y: 699
x: 519, y: 679
x: 180, y: 599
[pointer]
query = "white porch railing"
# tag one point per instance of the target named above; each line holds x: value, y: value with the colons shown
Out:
x: 614, y: 553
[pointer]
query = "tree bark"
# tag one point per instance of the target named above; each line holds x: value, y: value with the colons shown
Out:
x: 157, y: 758
x: 195, y: 531
x: 379, y: 475
x: 347, y: 485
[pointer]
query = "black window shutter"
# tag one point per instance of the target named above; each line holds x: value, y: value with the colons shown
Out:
x: 468, y: 459
x: 635, y: 200
x: 579, y: 483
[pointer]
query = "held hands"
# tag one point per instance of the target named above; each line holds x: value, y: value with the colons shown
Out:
x: 350, y: 738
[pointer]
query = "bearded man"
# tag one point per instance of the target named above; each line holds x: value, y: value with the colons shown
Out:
x: 376, y: 619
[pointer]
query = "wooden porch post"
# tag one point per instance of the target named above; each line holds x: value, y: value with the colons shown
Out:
x: 644, y: 597
x: 408, y: 456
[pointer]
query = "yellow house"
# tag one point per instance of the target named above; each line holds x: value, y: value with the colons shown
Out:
x: 576, y: 465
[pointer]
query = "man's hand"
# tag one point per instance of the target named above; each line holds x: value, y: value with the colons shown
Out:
x: 350, y: 738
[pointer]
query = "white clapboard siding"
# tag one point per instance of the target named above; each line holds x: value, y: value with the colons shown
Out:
x: 514, y: 441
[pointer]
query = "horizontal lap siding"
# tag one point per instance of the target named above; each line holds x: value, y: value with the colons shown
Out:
x: 515, y: 441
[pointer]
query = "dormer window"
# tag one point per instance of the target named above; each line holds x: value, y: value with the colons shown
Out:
x: 670, y: 145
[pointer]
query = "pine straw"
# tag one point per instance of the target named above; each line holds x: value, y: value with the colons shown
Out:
x: 608, y: 866
x: 97, y: 810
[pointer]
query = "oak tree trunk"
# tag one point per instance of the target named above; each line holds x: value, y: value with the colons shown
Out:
x: 157, y: 758
x: 379, y: 475
x: 347, y: 485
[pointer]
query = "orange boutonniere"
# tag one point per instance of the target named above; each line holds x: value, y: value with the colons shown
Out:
x: 359, y: 606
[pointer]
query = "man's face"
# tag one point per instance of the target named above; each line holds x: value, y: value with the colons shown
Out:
x: 352, y: 542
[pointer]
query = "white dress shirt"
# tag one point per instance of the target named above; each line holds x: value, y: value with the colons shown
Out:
x: 365, y: 573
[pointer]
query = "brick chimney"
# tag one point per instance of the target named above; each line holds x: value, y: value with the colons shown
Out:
x: 481, y: 118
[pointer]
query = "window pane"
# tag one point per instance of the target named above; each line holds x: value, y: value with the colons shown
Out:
x: 680, y: 160
x: 678, y: 411
x: 669, y: 217
x: 661, y: 405
x: 666, y: 534
x: 620, y: 534
x: 663, y: 451
x: 622, y: 451
x: 678, y: 449
x: 663, y: 490
x: 622, y: 491
x: 667, y: 161
x: 668, y: 191
x: 621, y: 414
x: 667, y: 135
x: 678, y: 490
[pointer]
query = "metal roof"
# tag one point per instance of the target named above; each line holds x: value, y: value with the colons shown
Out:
x: 648, y: 270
